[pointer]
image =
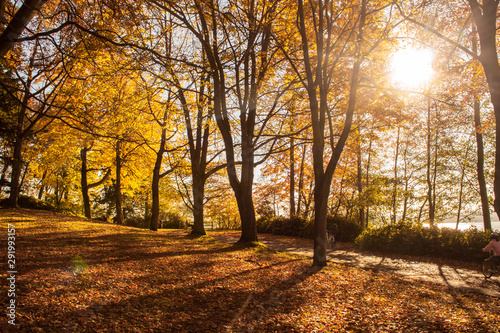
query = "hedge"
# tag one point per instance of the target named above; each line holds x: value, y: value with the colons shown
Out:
x: 415, y: 239
x: 299, y: 227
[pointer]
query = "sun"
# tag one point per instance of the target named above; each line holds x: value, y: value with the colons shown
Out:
x: 412, y: 68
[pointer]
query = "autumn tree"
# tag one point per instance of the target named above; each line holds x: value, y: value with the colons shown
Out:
x: 319, y: 65
x: 484, y: 16
x: 42, y: 75
x: 85, y: 185
x: 236, y: 41
x: 17, y: 22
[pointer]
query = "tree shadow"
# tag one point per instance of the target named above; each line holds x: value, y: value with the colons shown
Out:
x: 56, y: 249
x: 202, y: 306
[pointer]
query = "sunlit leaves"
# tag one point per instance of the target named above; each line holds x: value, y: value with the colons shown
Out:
x: 135, y: 279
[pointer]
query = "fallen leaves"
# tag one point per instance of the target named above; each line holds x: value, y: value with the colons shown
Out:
x: 75, y: 275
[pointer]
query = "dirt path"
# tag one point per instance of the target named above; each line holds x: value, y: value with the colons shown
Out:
x: 451, y: 275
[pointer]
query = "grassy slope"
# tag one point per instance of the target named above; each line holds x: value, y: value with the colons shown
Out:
x: 75, y: 275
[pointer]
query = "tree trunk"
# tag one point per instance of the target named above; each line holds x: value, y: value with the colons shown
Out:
x: 247, y: 215
x: 292, y: 177
x: 42, y: 186
x: 460, y: 196
x: 118, y: 185
x: 301, y: 181
x: 483, y: 191
x: 18, y: 23
x: 84, y: 182
x: 155, y: 184
x: 18, y: 147
x: 198, y: 140
x: 317, y: 87
x: 359, y: 183
x: 26, y: 168
x: 407, y: 182
x: 16, y: 173
x: 198, y: 198
x: 243, y: 192
x: 485, y: 17
x: 428, y: 176
x: 395, y: 191
x: 321, y: 193
x: 480, y: 169
x: 367, y: 179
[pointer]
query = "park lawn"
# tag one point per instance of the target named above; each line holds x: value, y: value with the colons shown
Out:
x: 75, y: 275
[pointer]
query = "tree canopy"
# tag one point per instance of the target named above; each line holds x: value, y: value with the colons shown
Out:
x: 219, y: 112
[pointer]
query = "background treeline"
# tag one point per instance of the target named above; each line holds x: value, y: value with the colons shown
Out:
x: 216, y: 113
x: 403, y: 238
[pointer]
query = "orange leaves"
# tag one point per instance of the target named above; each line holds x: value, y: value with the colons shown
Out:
x: 139, y: 280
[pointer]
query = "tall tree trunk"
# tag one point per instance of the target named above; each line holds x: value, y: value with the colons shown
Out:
x: 18, y: 24
x: 483, y: 191
x: 292, y: 177
x: 17, y: 160
x: 198, y: 140
x: 480, y: 168
x: 26, y: 168
x: 198, y: 199
x: 2, y: 12
x: 367, y: 178
x: 317, y: 86
x: 244, y: 195
x: 395, y: 190
x: 7, y: 162
x: 429, y: 176
x: 407, y: 182
x: 18, y: 143
x: 155, y: 184
x: 16, y: 173
x: 118, y: 185
x: 359, y: 182
x: 485, y: 17
x: 42, y: 186
x: 460, y: 195
x: 434, y: 176
x: 84, y: 183
x: 147, y: 207
x: 301, y: 182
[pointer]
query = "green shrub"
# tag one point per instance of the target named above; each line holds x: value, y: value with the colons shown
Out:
x: 31, y: 203
x: 415, y: 239
x: 172, y: 220
x: 346, y: 230
x: 137, y: 222
x: 263, y: 225
x: 296, y: 226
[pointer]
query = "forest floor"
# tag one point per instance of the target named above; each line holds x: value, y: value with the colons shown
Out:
x: 463, y: 275
x: 76, y: 275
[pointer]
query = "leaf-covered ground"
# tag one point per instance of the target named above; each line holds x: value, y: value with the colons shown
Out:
x: 80, y: 276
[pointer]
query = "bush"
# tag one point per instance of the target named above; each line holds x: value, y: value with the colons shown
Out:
x: 172, y: 220
x: 346, y: 230
x: 31, y: 203
x: 414, y: 239
x: 295, y: 226
x: 137, y: 222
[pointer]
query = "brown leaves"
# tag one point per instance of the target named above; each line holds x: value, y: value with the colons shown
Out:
x: 80, y: 276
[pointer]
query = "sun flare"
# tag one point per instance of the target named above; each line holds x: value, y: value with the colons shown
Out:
x: 412, y: 68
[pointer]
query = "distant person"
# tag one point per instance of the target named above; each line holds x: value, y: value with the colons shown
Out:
x: 494, y: 246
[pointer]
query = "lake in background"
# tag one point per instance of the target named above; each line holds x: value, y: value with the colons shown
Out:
x: 476, y: 222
